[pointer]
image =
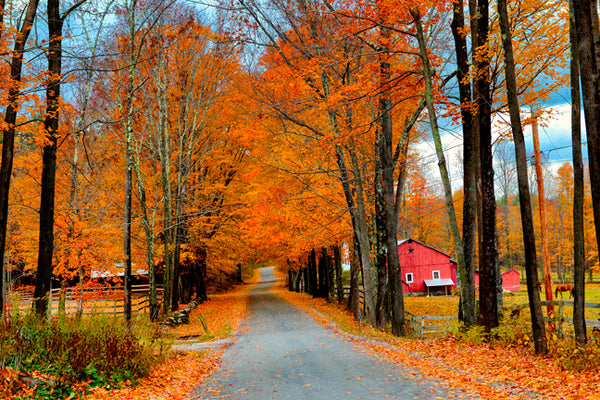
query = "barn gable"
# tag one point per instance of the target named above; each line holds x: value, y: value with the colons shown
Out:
x: 425, y: 268
x: 511, y: 280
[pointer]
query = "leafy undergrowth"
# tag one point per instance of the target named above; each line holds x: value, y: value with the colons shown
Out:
x: 42, y: 359
x: 183, y: 371
x: 101, y: 360
x: 499, y: 370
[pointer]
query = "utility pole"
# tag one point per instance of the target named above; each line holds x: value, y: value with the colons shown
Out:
x: 542, y: 204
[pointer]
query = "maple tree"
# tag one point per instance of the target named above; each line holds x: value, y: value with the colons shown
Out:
x: 329, y: 88
x: 585, y: 40
x: 8, y: 125
x: 48, y: 180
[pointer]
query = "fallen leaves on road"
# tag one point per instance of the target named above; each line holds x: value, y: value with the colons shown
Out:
x: 487, y: 371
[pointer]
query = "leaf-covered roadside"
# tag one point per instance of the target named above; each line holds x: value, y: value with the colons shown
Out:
x: 183, y: 371
x: 498, y: 370
x: 176, y: 374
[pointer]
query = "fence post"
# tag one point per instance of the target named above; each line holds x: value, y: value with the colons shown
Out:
x: 49, y: 303
x: 560, y: 318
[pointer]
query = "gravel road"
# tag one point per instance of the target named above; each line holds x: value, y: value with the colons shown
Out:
x: 285, y: 354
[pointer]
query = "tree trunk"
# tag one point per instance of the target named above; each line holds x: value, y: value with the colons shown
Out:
x: 390, y: 222
x: 323, y: 274
x: 129, y: 167
x: 313, y: 278
x: 164, y: 155
x: 488, y: 301
x: 176, y: 273
x: 201, y: 292
x: 8, y: 133
x: 359, y: 224
x: 467, y: 276
x: 537, y: 322
x: 365, y: 246
x: 330, y: 277
x: 353, y: 304
x: 591, y: 99
x: 127, y: 230
x: 337, y: 257
x: 448, y: 195
x: 381, y: 261
x: 578, y: 193
x: 43, y: 279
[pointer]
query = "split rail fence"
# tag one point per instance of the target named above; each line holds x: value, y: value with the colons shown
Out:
x: 423, y: 325
x: 107, y: 301
x: 559, y: 319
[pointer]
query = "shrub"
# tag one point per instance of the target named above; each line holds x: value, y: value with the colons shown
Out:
x: 98, y: 350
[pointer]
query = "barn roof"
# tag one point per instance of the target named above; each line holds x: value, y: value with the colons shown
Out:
x: 439, y: 282
x: 410, y: 240
x: 106, y: 273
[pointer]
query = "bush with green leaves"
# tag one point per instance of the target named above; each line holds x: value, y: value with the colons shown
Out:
x: 98, y: 350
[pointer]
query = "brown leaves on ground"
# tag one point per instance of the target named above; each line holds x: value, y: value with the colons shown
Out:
x: 489, y: 371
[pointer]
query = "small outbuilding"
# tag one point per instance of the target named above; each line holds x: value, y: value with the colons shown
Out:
x: 425, y: 269
x: 511, y: 280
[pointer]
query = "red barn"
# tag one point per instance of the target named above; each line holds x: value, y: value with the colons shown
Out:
x: 511, y: 280
x: 425, y: 269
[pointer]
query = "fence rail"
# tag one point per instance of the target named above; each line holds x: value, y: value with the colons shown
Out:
x: 559, y: 318
x: 424, y: 324
x: 428, y: 324
x: 101, y: 300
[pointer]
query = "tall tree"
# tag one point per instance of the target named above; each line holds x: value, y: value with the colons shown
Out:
x: 51, y: 123
x: 590, y: 90
x: 448, y: 195
x: 467, y: 278
x: 537, y: 321
x: 578, y: 190
x: 488, y: 301
x: 9, y: 126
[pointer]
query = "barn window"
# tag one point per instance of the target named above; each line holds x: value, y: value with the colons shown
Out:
x: 436, y: 274
x: 409, y: 277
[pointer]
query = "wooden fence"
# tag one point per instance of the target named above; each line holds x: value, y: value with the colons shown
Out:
x: 430, y: 324
x: 102, y: 300
x: 559, y: 319
x: 424, y: 324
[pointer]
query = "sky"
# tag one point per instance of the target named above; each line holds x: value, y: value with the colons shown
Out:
x: 554, y: 137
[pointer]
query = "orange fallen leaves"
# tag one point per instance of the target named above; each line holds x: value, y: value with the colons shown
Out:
x: 173, y: 380
x: 222, y: 313
x: 184, y: 371
x: 489, y: 371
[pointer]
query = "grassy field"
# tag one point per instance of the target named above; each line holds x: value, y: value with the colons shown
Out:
x: 448, y: 305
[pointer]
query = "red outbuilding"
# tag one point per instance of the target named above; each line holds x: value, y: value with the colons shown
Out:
x: 511, y: 280
x: 425, y: 269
